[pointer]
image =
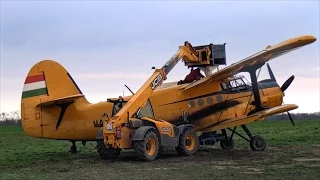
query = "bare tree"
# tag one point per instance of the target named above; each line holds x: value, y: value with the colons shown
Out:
x: 16, y: 115
x: 12, y: 118
x: 3, y: 116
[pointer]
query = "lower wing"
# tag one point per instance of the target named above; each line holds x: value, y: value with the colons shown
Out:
x: 261, y: 115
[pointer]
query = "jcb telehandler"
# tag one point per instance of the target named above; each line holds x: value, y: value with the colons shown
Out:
x: 128, y: 129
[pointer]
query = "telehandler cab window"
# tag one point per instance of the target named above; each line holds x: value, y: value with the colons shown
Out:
x: 117, y: 107
x: 145, y: 111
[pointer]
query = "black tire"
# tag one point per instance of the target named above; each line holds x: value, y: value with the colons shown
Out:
x: 188, y: 143
x: 73, y: 149
x: 258, y: 143
x: 227, y: 144
x: 107, y: 153
x: 148, y: 148
x: 160, y: 151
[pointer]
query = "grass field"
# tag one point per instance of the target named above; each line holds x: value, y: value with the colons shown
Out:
x: 291, y: 153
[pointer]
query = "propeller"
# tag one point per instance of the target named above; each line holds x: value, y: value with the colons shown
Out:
x: 284, y: 86
x: 271, y: 73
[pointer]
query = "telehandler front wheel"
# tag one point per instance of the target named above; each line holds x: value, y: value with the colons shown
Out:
x: 107, y: 153
x: 148, y: 148
x: 188, y: 143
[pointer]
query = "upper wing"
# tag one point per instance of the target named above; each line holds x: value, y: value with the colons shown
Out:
x: 265, y: 55
x: 253, y: 117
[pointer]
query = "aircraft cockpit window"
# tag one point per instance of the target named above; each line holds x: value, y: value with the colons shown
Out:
x: 235, y: 85
x: 237, y: 82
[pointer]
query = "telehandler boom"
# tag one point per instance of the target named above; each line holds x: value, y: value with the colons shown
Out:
x: 147, y: 136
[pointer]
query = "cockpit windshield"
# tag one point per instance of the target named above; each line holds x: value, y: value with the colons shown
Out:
x: 236, y: 84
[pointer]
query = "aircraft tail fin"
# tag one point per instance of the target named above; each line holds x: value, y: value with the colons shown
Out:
x: 48, y: 81
x: 47, y: 84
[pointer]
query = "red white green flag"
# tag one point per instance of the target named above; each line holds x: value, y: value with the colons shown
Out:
x: 34, y: 86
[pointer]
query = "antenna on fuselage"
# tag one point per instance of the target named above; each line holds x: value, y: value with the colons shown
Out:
x: 129, y: 89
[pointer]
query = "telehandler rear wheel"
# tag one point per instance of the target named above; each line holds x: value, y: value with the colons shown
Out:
x: 148, y: 148
x: 188, y: 143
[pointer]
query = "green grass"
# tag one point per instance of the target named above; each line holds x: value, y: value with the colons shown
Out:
x: 278, y: 133
x: 293, y: 152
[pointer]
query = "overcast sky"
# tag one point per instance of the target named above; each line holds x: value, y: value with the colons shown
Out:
x: 105, y: 45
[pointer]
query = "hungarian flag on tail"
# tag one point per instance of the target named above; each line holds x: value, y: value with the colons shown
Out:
x: 34, y: 86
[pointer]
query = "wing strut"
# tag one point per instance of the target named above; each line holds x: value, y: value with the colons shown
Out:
x: 255, y: 88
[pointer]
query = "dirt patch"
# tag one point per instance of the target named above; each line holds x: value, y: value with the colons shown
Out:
x: 152, y: 169
x: 306, y: 159
x: 254, y: 169
x: 220, y: 167
x: 251, y: 172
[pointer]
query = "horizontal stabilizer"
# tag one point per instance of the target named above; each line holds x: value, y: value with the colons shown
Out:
x: 60, y: 100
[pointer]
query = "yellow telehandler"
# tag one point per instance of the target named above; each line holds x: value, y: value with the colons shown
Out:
x: 127, y: 129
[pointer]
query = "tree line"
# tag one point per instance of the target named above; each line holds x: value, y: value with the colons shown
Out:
x: 10, y: 118
x: 14, y: 117
x: 295, y: 116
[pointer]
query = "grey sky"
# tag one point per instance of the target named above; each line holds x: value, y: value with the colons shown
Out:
x: 97, y: 41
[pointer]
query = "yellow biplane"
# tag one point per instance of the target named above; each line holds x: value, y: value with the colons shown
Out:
x: 54, y: 107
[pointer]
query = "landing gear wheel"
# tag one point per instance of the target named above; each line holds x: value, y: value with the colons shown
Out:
x: 227, y: 144
x: 257, y: 143
x: 73, y: 149
x: 107, y: 153
x: 188, y: 143
x: 148, y: 148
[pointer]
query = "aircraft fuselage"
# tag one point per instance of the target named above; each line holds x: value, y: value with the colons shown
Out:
x: 205, y: 105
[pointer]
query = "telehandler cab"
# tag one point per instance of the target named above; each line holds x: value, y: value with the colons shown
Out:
x: 129, y: 128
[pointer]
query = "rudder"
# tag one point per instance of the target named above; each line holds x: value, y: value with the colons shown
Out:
x: 47, y: 83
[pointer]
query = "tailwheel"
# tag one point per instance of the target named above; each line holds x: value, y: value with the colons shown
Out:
x: 107, y: 153
x: 257, y: 143
x: 73, y: 148
x: 188, y: 143
x: 227, y: 144
x: 147, y: 149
